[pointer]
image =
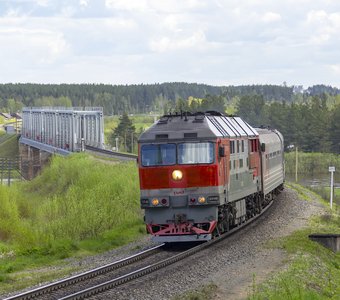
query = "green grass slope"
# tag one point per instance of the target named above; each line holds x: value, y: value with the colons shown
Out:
x: 77, y: 206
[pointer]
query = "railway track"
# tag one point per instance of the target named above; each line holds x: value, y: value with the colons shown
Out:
x: 47, y: 291
x: 118, y: 155
x: 84, y: 290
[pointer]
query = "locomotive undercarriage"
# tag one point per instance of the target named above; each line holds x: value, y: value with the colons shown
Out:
x: 227, y: 213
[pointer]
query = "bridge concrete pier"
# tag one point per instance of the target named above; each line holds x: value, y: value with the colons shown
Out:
x: 32, y: 160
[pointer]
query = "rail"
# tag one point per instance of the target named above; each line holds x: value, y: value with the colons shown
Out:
x: 84, y: 276
x: 159, y: 265
x: 114, y: 154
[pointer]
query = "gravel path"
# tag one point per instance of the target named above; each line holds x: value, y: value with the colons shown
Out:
x: 231, y: 264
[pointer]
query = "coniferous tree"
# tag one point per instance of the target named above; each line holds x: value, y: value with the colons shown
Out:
x: 126, y: 134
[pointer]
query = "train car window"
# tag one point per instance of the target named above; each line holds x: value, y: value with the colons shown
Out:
x: 232, y: 147
x: 195, y: 153
x: 158, y: 155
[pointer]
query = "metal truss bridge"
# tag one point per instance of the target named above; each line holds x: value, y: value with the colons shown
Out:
x: 62, y: 130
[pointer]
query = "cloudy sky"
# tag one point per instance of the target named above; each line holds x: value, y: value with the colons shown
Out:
x: 218, y: 42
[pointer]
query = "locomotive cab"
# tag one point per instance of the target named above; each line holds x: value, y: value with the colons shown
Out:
x: 176, y: 179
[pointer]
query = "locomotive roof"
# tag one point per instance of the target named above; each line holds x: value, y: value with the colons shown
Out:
x: 207, y: 125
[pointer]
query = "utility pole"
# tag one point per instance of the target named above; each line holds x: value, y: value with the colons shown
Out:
x: 296, y: 164
x: 125, y: 149
x: 332, y: 170
x: 116, y: 139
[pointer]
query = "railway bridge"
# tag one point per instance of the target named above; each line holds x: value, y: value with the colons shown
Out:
x: 58, y: 130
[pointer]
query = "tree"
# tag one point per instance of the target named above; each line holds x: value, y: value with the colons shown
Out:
x: 335, y: 129
x: 211, y: 102
x: 251, y: 108
x: 126, y: 134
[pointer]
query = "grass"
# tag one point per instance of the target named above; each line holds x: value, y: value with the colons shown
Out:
x: 325, y: 193
x: 76, y: 207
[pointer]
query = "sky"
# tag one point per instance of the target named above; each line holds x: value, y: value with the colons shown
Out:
x: 216, y: 42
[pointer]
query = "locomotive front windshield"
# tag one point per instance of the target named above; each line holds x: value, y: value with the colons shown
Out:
x: 158, y: 155
x: 171, y: 154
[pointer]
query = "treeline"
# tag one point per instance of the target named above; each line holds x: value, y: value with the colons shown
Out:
x: 115, y: 99
x: 312, y: 125
x: 141, y: 98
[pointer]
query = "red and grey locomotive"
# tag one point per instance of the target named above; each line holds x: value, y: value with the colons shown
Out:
x: 202, y: 174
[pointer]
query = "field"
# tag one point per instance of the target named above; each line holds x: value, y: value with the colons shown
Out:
x: 76, y: 207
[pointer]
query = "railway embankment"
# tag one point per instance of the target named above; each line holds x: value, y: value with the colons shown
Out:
x: 271, y: 257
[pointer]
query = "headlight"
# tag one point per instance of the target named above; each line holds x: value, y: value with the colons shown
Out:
x: 177, y: 175
x: 155, y: 202
x: 201, y: 200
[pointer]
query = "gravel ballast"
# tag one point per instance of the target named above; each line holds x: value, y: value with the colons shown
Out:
x: 232, y: 263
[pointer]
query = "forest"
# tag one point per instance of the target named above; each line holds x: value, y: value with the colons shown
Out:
x: 142, y: 98
x: 308, y: 118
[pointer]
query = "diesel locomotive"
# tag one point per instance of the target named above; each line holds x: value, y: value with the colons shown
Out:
x: 202, y: 174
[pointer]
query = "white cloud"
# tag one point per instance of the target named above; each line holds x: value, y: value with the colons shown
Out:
x: 84, y: 3
x: 336, y: 69
x: 140, y: 5
x: 271, y: 17
x: 196, y: 41
x: 43, y: 3
x: 156, y: 6
x: 67, y: 11
x: 323, y: 26
x: 13, y: 13
x: 32, y: 46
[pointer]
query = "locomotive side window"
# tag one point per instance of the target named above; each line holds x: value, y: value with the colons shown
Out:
x: 232, y: 147
x: 195, y: 153
x: 158, y: 155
